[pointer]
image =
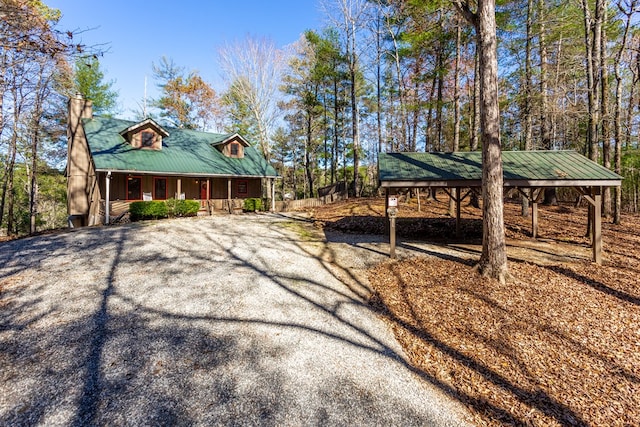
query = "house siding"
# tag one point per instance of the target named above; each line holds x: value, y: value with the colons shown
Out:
x: 190, y: 186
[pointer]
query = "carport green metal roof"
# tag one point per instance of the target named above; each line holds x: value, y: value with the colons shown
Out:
x: 184, y: 152
x: 521, y: 169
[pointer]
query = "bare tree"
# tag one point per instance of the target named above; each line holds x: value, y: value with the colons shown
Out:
x: 493, y: 261
x: 253, y: 69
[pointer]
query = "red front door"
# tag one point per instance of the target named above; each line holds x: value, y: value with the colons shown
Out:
x: 203, y: 190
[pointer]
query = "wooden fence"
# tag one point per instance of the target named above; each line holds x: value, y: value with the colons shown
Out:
x: 328, y: 194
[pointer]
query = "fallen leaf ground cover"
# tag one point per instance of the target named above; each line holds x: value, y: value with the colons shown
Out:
x: 557, y: 345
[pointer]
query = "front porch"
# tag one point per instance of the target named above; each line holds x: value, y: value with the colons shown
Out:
x: 225, y: 194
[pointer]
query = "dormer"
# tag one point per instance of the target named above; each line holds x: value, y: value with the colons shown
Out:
x: 232, y: 146
x: 145, y: 135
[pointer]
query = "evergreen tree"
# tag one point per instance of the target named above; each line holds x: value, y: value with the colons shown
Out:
x: 90, y: 82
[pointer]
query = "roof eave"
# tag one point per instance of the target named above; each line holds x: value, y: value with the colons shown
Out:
x: 178, y: 174
x: 522, y: 183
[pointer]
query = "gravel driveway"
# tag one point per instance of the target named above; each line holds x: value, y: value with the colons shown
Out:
x: 224, y: 320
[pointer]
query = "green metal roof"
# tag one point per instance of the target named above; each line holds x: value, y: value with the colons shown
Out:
x: 184, y: 152
x: 521, y: 169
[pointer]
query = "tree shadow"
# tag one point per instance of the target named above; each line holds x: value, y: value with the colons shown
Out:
x: 87, y: 350
x: 537, y: 398
x: 622, y: 296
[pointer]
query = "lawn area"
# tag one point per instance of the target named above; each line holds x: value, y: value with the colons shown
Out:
x: 557, y: 345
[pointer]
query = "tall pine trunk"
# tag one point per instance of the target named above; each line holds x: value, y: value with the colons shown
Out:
x: 493, y: 261
x: 528, y: 118
x: 604, y: 107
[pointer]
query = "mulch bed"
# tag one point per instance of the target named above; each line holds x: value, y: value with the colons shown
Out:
x: 557, y: 345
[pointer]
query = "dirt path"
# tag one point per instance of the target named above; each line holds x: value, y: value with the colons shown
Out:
x: 248, y: 320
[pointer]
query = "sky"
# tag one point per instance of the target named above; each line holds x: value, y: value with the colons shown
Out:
x: 136, y: 33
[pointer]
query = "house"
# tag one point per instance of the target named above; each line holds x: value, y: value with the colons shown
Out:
x: 112, y: 162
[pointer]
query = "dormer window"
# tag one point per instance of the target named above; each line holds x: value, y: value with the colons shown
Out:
x: 232, y: 146
x: 145, y: 135
x: 147, y: 139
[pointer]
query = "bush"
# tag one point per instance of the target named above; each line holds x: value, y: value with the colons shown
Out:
x: 252, y: 205
x: 153, y: 209
x: 182, y: 208
x: 187, y: 208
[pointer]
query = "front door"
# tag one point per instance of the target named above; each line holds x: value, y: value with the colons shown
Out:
x: 203, y: 190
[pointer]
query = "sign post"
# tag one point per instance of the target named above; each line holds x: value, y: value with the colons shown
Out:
x: 392, y: 211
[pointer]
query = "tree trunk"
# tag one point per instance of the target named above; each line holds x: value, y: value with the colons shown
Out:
x: 617, y: 205
x: 528, y: 119
x: 550, y: 197
x: 592, y: 46
x: 336, y: 130
x: 307, y: 153
x: 476, y: 102
x: 493, y: 261
x: 379, y: 55
x: 604, y: 103
x: 456, y: 108
x: 355, y: 113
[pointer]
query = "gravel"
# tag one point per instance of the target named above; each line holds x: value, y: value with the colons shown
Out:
x: 223, y: 320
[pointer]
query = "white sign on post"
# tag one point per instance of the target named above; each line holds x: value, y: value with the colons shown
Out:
x: 393, y: 201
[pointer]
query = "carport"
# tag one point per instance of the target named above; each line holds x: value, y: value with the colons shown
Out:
x: 533, y: 170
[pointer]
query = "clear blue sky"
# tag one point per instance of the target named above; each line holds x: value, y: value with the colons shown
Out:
x: 190, y: 32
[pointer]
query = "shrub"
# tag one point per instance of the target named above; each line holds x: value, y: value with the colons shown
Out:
x: 153, y: 209
x: 252, y: 205
x: 186, y: 208
x: 182, y: 208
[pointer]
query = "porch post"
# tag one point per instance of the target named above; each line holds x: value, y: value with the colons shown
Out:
x: 208, y: 195
x: 273, y: 194
x: 229, y: 189
x: 107, y: 201
x: 179, y: 188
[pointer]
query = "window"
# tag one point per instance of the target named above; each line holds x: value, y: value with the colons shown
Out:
x: 242, y: 188
x: 134, y: 188
x: 147, y: 139
x: 160, y: 188
x: 235, y: 149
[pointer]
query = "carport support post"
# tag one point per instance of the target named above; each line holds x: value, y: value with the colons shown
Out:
x: 458, y: 200
x: 596, y: 224
x: 534, y: 219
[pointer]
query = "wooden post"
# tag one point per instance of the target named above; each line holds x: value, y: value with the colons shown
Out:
x: 458, y: 200
x: 179, y: 188
x: 208, y: 195
x: 392, y: 238
x: 107, y: 198
x: 229, y: 205
x: 418, y: 196
x: 534, y: 219
x: 596, y: 224
x: 386, y: 202
x: 392, y: 213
